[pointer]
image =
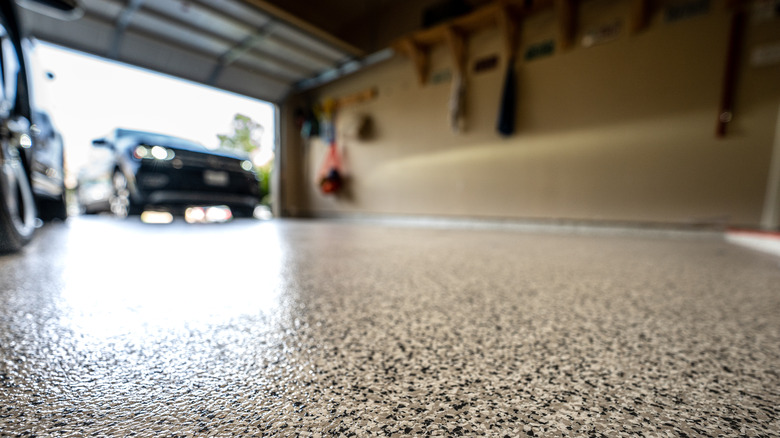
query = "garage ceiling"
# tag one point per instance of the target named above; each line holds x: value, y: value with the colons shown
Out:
x: 250, y: 47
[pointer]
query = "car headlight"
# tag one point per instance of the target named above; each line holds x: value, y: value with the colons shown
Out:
x: 153, y: 153
x: 247, y: 165
x: 162, y: 153
x: 141, y: 152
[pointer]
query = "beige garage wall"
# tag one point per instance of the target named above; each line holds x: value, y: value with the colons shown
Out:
x: 622, y: 131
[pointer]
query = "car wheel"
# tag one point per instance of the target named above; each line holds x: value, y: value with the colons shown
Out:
x: 120, y: 202
x: 17, y: 204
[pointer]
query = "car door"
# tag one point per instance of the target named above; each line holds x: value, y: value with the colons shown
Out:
x: 17, y: 204
x: 48, y: 159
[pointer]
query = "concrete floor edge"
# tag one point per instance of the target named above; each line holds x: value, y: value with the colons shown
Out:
x: 547, y: 226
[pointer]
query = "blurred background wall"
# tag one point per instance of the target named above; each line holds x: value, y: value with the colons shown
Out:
x: 618, y: 127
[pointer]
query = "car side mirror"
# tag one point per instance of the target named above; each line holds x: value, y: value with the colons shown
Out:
x: 101, y: 143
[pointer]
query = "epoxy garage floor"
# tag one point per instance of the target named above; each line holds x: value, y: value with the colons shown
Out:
x: 304, y: 328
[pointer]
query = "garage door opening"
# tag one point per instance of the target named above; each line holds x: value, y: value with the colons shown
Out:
x: 100, y: 106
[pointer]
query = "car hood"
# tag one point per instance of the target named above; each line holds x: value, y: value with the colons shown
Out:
x: 180, y: 144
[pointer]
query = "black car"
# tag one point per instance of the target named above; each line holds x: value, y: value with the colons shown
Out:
x: 48, y: 168
x: 31, y: 177
x: 132, y: 171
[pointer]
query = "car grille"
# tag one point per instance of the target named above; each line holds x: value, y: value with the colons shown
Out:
x: 207, y: 161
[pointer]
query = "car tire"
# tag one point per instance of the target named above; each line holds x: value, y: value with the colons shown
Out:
x: 121, y: 202
x: 17, y: 203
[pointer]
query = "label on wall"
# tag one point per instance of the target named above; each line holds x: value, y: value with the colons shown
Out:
x: 540, y: 50
x: 686, y: 10
x: 766, y: 55
x: 441, y: 76
x: 486, y: 64
x: 602, y: 34
x: 766, y: 10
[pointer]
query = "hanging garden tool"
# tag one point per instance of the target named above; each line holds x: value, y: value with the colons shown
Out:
x: 331, y: 176
x: 507, y: 110
x: 457, y: 113
x: 458, y: 103
x: 327, y: 125
x: 308, y: 122
x: 331, y: 180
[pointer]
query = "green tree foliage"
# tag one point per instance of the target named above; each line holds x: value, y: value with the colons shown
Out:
x: 245, y: 139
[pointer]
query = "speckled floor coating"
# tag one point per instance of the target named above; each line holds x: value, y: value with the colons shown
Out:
x: 298, y: 328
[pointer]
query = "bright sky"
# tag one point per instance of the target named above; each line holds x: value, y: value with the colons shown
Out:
x: 89, y: 96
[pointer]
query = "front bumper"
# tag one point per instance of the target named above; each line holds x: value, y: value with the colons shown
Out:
x: 190, y: 198
x: 188, y: 178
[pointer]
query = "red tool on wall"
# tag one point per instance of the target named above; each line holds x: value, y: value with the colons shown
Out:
x: 331, y: 176
x: 330, y: 173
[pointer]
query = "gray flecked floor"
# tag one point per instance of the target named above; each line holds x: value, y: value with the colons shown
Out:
x: 296, y: 328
